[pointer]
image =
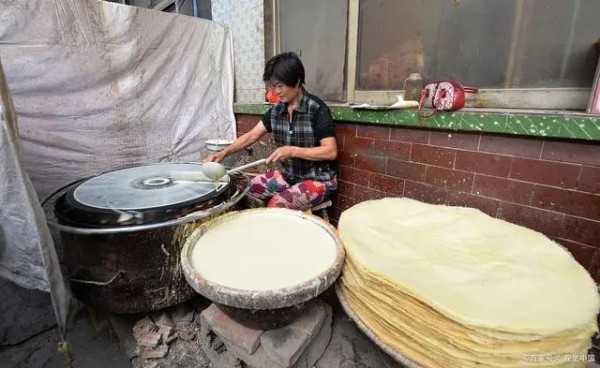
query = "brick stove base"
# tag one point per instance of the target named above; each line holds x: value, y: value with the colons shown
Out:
x: 300, y: 344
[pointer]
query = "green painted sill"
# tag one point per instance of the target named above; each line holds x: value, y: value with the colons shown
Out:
x: 542, y: 123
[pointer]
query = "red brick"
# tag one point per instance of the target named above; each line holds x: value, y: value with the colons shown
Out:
x: 247, y: 339
x: 346, y: 188
x: 342, y: 202
x: 508, y: 145
x: 409, y: 135
x: 582, y: 253
x: 388, y: 184
x: 339, y: 138
x: 589, y: 181
x: 398, y: 150
x: 545, y: 172
x: 431, y: 155
x: 450, y: 179
x: 546, y: 222
x: 348, y: 130
x: 346, y: 158
x: 366, y: 194
x: 467, y: 141
x: 370, y: 163
x: 245, y: 123
x: 484, y: 163
x: 567, y: 201
x: 582, y: 230
x: 595, y: 273
x: 504, y: 189
x: 359, y: 145
x: 353, y: 175
x: 406, y: 170
x: 373, y: 131
x: 569, y: 151
x: 436, y: 195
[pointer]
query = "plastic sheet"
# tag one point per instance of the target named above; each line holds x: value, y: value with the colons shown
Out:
x: 97, y: 86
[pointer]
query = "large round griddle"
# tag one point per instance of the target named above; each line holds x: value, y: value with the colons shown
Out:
x: 122, y: 232
x: 140, y: 195
x: 145, y: 187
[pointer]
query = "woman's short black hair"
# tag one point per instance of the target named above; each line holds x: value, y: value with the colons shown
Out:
x: 286, y: 68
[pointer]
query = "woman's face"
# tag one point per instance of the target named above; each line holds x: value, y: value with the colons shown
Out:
x: 285, y: 93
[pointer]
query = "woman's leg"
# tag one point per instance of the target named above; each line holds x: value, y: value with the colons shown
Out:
x: 301, y: 196
x: 267, y: 185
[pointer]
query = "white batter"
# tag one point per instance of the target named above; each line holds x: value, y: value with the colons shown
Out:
x: 263, y: 250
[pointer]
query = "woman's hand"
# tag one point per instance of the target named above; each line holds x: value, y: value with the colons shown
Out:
x: 215, y: 157
x: 326, y: 151
x: 282, y: 154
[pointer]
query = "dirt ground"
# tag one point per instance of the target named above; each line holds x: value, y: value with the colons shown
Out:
x: 91, y: 348
x: 29, y: 338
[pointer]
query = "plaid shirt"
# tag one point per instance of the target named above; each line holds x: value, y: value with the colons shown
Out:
x: 311, y: 122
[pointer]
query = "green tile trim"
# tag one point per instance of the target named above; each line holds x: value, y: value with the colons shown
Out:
x: 552, y: 125
x: 251, y: 109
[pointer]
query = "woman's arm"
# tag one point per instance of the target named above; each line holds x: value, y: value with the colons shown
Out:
x: 246, y: 140
x: 327, y: 151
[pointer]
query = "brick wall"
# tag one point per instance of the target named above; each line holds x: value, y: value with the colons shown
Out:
x: 547, y: 185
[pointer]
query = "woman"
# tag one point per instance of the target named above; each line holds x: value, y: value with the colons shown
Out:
x: 304, y: 133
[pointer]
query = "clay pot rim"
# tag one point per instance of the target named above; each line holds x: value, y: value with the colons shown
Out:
x: 262, y: 299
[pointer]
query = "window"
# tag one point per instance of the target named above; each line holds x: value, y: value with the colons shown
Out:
x: 522, y: 53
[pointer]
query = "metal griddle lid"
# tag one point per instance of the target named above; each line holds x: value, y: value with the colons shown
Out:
x: 145, y: 187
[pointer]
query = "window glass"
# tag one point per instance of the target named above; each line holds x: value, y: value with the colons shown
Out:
x: 490, y: 44
x: 316, y: 31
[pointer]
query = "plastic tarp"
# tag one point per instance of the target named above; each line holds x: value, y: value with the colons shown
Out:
x: 97, y: 86
x: 27, y: 254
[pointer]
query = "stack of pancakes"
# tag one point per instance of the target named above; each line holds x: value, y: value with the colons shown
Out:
x: 452, y: 287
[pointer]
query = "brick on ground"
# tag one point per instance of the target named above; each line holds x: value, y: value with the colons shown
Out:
x: 317, y: 346
x: 144, y: 326
x: 245, y: 338
x: 155, y: 353
x: 308, y: 358
x: 306, y: 342
x: 146, y: 333
x: 164, y: 320
x: 217, y: 359
x: 285, y: 345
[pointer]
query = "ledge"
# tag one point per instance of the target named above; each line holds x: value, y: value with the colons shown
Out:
x: 542, y: 123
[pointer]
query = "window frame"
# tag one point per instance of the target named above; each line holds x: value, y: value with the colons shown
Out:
x: 510, y: 98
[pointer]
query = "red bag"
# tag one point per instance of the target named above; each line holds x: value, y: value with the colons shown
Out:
x: 444, y: 96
